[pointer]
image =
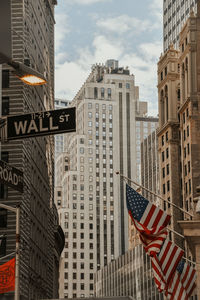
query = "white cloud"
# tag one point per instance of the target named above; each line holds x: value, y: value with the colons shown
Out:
x: 71, y: 75
x: 144, y: 67
x: 62, y: 28
x: 151, y: 51
x: 156, y: 8
x: 124, y: 23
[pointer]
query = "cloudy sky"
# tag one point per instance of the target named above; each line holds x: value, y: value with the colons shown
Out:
x: 92, y: 31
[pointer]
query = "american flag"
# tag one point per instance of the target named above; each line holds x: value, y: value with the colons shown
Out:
x: 153, y: 244
x: 164, y: 264
x: 183, y: 282
x: 147, y: 217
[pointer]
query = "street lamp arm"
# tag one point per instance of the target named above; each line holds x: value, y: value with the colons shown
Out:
x: 23, y: 72
x: 13, y: 209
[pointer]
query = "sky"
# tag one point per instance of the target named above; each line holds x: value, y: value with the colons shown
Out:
x: 91, y: 31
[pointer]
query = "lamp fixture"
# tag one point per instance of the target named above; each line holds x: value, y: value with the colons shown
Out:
x: 23, y: 72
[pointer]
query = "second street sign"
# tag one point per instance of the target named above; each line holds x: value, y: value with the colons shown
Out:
x: 11, y: 176
x: 41, y: 123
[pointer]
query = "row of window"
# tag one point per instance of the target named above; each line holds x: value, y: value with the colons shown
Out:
x: 82, y: 256
x: 82, y: 286
x: 165, y: 153
x: 97, y: 106
x: 165, y: 138
x: 82, y: 206
x: 66, y: 224
x: 82, y: 276
x: 166, y: 186
x: 75, y: 296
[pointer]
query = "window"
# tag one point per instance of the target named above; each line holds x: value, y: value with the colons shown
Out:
x: 128, y: 85
x: 120, y: 85
x: 82, y: 265
x: 74, y: 255
x: 82, y: 286
x: 168, y: 186
x: 164, y: 189
x: 89, y: 115
x: 3, y: 246
x: 81, y: 150
x: 74, y: 245
x: 89, y: 105
x: 82, y: 255
x: 82, y: 275
x: 102, y: 92
x: 166, y: 136
x: 95, y: 92
x: 91, y: 276
x: 74, y: 265
x: 109, y: 93
x: 188, y: 132
x: 167, y: 169
x: 66, y: 275
x: 82, y: 245
x: 91, y: 266
x: 5, y: 106
x: 163, y: 156
x: 163, y: 140
x: 90, y: 124
x: 167, y: 153
x: 74, y: 286
x: 5, y: 79
x: 74, y: 275
x: 163, y: 172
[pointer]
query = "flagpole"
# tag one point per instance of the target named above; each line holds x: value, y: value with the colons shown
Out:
x: 17, y: 253
x: 142, y: 187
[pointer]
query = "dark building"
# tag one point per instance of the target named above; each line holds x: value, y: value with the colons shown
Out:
x: 41, y: 239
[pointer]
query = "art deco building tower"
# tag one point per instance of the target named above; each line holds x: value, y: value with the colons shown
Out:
x: 32, y: 34
x: 92, y: 197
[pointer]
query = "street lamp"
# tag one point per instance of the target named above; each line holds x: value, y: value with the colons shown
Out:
x: 23, y: 72
x: 17, y: 212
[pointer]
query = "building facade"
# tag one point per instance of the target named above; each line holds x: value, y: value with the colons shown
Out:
x: 175, y: 14
x: 145, y: 125
x: 59, y: 138
x: 41, y: 238
x: 130, y: 274
x: 92, y: 209
x: 178, y: 136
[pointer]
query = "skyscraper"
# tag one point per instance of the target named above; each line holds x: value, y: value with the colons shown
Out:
x: 59, y: 138
x: 32, y: 24
x: 175, y: 14
x: 92, y: 198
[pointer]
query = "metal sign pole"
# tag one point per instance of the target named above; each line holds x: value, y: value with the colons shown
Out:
x: 17, y: 253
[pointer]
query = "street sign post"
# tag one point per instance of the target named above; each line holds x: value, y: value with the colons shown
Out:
x: 39, y: 124
x: 11, y: 176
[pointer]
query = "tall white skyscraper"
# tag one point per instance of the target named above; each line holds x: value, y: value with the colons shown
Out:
x: 90, y: 196
x: 59, y: 138
x: 175, y: 14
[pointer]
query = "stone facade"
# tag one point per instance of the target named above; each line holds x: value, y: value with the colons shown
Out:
x: 40, y: 237
x: 179, y: 110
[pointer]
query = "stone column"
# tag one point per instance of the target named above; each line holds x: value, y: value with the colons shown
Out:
x: 191, y: 231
